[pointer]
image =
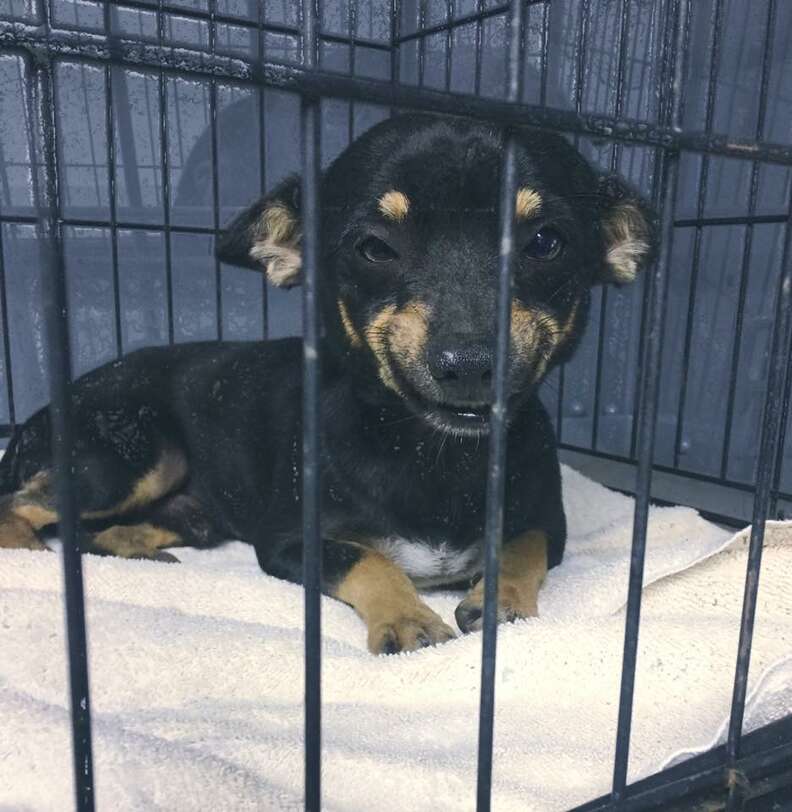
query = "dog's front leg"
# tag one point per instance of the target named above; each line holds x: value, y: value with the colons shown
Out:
x: 523, y: 566
x: 377, y: 589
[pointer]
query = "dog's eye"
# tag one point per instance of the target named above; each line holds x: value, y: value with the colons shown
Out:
x: 375, y: 250
x: 546, y: 244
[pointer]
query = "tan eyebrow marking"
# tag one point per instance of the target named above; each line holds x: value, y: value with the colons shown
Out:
x: 529, y: 202
x: 394, y: 205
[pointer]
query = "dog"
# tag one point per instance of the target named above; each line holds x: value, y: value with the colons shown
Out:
x: 198, y: 443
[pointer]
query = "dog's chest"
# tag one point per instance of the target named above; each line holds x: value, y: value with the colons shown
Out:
x: 431, y: 564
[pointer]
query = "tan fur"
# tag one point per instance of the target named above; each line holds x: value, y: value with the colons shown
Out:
x: 534, y: 330
x: 528, y: 204
x: 523, y: 567
x: 17, y: 533
x: 397, y: 332
x: 349, y: 328
x: 376, y: 332
x: 37, y: 516
x: 388, y: 603
x: 276, y: 244
x: 32, y: 507
x: 524, y: 336
x: 626, y: 241
x: 394, y: 205
x: 166, y: 475
x: 409, y: 330
x: 135, y: 541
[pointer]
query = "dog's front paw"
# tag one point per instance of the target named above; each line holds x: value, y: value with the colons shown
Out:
x: 516, y: 600
x: 412, y: 629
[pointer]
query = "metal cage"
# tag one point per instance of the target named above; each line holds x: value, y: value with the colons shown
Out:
x: 263, y: 46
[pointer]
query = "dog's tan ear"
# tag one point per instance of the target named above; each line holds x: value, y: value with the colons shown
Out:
x: 628, y: 229
x: 267, y: 236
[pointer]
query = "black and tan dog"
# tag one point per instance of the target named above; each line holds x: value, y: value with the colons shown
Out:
x: 194, y: 444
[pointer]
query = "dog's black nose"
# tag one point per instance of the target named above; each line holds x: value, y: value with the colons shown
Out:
x: 464, y: 372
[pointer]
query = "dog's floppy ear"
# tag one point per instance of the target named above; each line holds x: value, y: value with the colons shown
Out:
x: 628, y: 230
x: 267, y: 236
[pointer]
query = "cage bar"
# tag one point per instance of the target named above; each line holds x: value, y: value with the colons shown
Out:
x: 771, y: 425
x: 215, y: 169
x: 312, y: 541
x: 93, y: 48
x: 6, y: 337
x: 624, y: 20
x: 47, y: 200
x: 496, y: 474
x: 753, y: 194
x: 262, y: 151
x: 111, y: 190
x: 647, y: 407
x: 703, y: 185
x: 164, y: 135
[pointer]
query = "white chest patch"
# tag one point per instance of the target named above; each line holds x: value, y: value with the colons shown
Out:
x: 430, y: 564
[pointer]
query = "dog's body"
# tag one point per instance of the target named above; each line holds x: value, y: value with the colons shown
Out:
x: 198, y: 443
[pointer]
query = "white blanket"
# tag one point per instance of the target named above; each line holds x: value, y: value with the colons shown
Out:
x: 196, y: 677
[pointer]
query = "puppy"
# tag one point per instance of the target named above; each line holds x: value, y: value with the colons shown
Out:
x: 197, y: 443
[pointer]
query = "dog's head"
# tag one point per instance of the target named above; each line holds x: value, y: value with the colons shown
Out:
x: 410, y: 258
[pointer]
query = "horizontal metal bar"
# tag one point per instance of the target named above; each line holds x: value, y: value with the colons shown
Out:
x: 202, y: 16
x: 296, y: 78
x: 766, y: 750
x: 457, y: 22
x: 667, y: 469
x: 124, y: 225
x: 736, y: 220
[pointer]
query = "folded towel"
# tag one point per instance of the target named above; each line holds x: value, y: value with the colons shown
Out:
x: 196, y: 677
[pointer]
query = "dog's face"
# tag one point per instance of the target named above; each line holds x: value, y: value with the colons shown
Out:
x: 410, y: 269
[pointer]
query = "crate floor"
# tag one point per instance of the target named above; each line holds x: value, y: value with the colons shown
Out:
x: 196, y: 677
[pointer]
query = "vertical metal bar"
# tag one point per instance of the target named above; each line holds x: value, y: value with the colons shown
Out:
x: 753, y: 194
x: 165, y: 168
x: 782, y: 439
x: 624, y: 19
x: 496, y: 475
x: 479, y: 46
x: 262, y: 159
x: 215, y: 171
x: 395, y: 47
x: 545, y: 53
x: 352, y: 28
x: 580, y: 56
x: 312, y: 536
x: 771, y: 425
x: 712, y: 86
x: 421, y: 41
x: 662, y: 116
x: 449, y: 54
x: 47, y: 199
x: 111, y: 183
x: 6, y: 336
x: 647, y: 409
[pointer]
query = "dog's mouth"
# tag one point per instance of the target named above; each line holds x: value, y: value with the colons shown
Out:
x: 469, y: 419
